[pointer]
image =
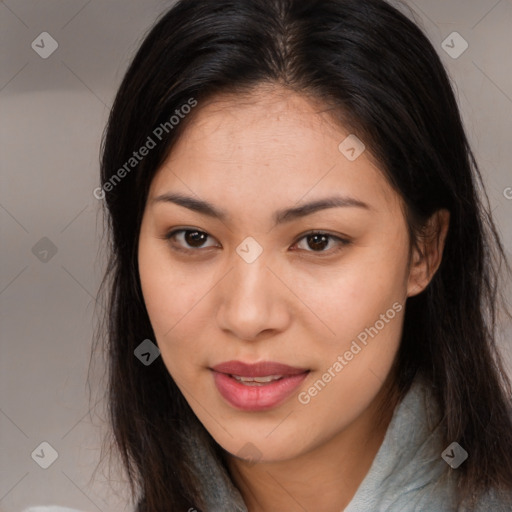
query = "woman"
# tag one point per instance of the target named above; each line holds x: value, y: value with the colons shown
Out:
x: 303, y: 279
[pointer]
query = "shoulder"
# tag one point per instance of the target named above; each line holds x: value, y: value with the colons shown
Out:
x: 494, y: 501
x: 409, y: 472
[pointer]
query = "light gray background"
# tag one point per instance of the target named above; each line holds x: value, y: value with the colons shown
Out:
x: 53, y: 112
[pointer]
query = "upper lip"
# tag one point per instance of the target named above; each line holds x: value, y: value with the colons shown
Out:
x: 261, y: 369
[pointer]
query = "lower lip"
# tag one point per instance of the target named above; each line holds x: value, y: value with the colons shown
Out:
x: 257, y: 397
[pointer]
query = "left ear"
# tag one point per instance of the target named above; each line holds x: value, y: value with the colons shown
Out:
x: 427, y: 257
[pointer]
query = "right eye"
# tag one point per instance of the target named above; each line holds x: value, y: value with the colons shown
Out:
x: 189, y: 239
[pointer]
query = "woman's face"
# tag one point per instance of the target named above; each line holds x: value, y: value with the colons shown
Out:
x: 248, y: 285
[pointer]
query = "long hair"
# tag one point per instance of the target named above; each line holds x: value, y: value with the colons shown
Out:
x: 379, y: 76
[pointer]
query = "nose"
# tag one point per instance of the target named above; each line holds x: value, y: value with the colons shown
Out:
x: 253, y: 302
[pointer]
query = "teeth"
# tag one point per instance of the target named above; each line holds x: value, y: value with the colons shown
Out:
x: 255, y: 381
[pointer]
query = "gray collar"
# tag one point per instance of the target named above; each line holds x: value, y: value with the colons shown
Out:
x: 407, y: 474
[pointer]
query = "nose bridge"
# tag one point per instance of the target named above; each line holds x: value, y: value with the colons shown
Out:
x: 250, y: 300
x: 250, y: 281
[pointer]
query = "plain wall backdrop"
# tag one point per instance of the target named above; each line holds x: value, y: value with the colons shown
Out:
x: 53, y: 110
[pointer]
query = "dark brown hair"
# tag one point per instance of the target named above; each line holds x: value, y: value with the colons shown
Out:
x: 381, y: 78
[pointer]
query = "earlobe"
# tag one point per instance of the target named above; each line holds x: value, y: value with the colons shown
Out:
x: 428, y: 254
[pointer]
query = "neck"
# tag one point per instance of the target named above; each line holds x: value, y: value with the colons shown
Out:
x: 334, y: 469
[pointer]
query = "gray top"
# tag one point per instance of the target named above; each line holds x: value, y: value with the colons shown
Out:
x: 408, y: 473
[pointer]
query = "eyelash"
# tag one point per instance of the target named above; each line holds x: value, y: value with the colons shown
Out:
x: 342, y: 241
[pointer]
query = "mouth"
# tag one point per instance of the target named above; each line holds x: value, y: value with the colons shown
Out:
x: 256, y: 387
x: 256, y: 381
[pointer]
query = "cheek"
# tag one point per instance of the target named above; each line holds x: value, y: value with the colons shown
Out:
x: 367, y: 317
x: 173, y: 302
x: 358, y: 292
x: 168, y: 292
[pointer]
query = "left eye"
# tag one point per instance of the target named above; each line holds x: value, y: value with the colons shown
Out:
x: 319, y: 240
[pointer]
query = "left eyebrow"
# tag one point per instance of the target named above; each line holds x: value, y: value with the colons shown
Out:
x: 279, y: 217
x: 291, y: 214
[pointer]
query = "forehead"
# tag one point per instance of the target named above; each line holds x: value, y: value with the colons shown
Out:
x: 273, y: 142
x: 270, y: 119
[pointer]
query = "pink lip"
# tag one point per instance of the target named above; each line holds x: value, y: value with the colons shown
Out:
x: 259, y: 397
x: 262, y: 369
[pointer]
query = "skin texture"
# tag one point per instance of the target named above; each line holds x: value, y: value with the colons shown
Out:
x: 298, y: 303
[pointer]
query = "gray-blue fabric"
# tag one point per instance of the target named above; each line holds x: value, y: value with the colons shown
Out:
x: 408, y: 473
